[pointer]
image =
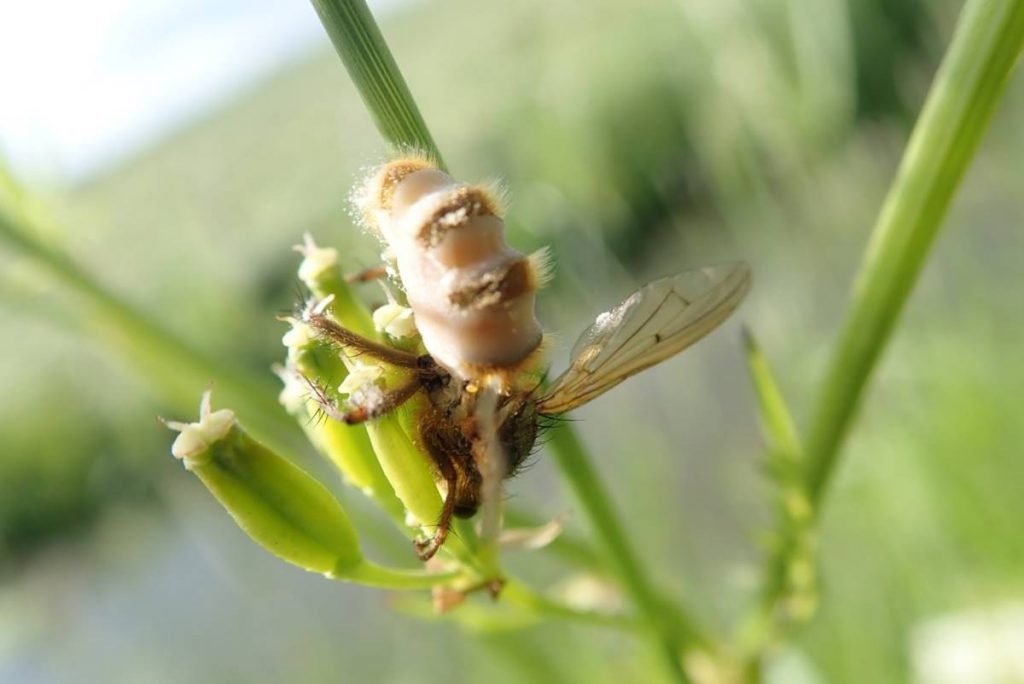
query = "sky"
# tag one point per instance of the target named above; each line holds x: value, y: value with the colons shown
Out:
x: 82, y: 84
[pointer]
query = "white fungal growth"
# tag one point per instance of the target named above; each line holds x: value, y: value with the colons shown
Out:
x: 472, y: 294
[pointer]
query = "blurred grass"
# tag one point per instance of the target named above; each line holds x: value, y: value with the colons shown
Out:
x: 637, y: 139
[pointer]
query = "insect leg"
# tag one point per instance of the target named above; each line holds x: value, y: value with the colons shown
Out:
x: 426, y: 549
x: 491, y: 462
x: 359, y: 412
x: 368, y: 274
x: 359, y: 345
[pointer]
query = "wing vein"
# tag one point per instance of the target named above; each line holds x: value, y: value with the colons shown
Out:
x: 617, y: 342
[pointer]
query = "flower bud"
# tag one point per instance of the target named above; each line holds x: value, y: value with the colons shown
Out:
x: 346, y: 446
x: 277, y: 504
x: 319, y: 264
x: 319, y: 271
x: 395, y: 320
x: 406, y: 468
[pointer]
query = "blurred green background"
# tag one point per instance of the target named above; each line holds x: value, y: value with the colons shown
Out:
x: 637, y: 139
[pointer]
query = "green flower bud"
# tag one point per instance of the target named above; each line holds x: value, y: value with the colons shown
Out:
x: 396, y: 321
x: 277, y: 504
x: 319, y: 272
x: 407, y: 469
x: 345, y: 446
x: 319, y: 264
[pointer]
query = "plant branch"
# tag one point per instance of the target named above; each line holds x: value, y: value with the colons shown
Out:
x: 985, y: 47
x: 371, y: 67
x: 675, y: 631
x: 373, y: 575
x: 520, y: 607
x: 179, y: 370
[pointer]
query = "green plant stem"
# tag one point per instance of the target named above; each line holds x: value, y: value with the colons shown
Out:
x: 784, y: 459
x: 373, y: 575
x: 674, y: 631
x: 369, y: 63
x: 179, y: 371
x: 986, y: 45
x: 520, y: 607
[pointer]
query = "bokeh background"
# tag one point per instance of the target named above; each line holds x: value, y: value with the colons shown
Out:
x: 178, y: 150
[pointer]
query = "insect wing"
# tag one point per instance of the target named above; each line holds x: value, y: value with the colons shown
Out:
x: 658, y: 321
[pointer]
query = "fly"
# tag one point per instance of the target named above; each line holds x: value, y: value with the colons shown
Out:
x: 472, y: 298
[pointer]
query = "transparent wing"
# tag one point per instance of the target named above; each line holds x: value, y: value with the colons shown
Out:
x: 656, y: 322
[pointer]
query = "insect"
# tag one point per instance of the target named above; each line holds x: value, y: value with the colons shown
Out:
x: 472, y: 298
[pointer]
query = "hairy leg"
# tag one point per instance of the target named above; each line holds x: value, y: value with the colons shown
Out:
x: 368, y: 274
x: 359, y: 413
x: 358, y: 345
x: 426, y: 548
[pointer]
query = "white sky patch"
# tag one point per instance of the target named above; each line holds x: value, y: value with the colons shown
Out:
x: 84, y: 84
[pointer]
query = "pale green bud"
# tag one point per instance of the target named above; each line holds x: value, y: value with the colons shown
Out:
x: 276, y: 503
x: 319, y: 271
x: 395, y: 320
x: 319, y: 264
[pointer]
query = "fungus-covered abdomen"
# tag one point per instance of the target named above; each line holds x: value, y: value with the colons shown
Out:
x: 472, y: 294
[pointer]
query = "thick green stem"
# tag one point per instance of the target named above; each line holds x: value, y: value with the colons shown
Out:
x: 369, y: 63
x: 373, y: 575
x: 986, y: 46
x: 973, y: 75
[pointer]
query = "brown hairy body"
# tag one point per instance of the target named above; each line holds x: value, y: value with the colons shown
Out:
x: 447, y: 431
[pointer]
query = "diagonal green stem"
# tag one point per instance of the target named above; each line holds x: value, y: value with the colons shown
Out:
x: 373, y: 575
x: 986, y: 46
x: 674, y: 630
x: 181, y: 369
x: 369, y: 63
x: 987, y: 43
